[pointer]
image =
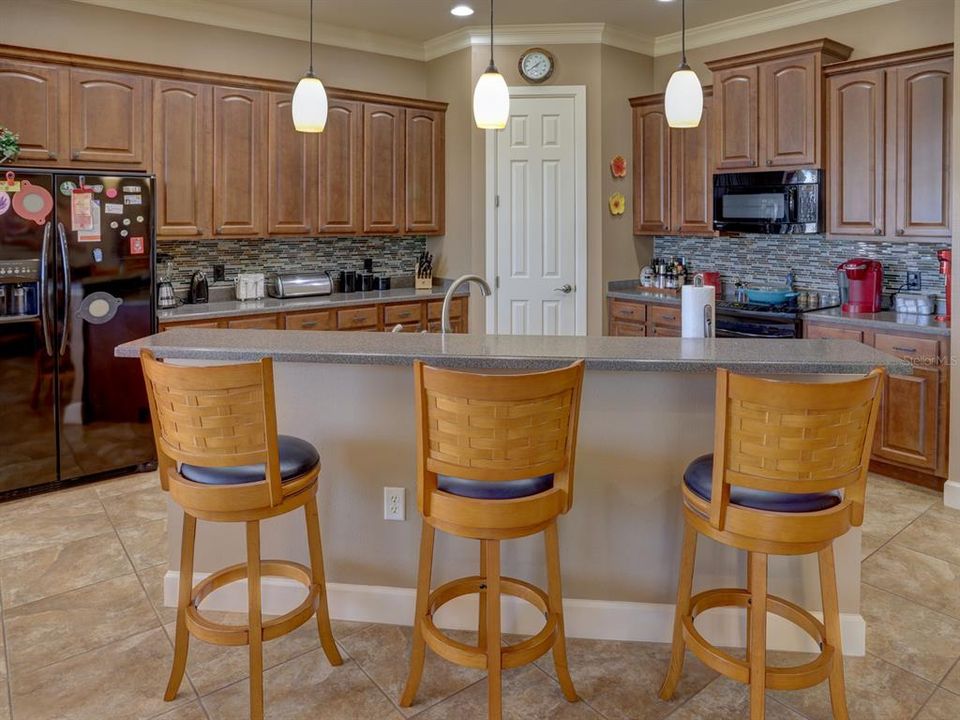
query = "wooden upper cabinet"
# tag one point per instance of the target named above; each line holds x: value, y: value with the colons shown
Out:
x: 383, y: 162
x: 692, y: 191
x: 292, y: 163
x: 856, y: 112
x: 651, y: 170
x: 922, y: 98
x: 790, y: 111
x: 183, y: 158
x: 108, y: 118
x: 239, y: 161
x: 31, y: 95
x: 736, y: 137
x: 340, y: 191
x: 424, y: 167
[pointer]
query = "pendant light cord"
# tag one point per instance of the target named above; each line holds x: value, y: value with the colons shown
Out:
x: 491, y: 33
x: 310, y: 72
x: 683, y: 31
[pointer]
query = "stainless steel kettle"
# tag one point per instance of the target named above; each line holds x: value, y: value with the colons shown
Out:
x: 166, y: 298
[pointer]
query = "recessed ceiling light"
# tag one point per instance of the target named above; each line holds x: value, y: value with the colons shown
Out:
x: 461, y: 10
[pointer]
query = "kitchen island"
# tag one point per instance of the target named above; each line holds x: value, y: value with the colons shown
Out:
x: 647, y: 411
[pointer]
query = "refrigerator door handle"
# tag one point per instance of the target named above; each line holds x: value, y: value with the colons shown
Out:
x: 45, y: 291
x: 66, y: 284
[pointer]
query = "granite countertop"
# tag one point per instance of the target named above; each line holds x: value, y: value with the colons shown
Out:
x: 519, y: 352
x: 884, y: 320
x: 619, y: 290
x: 270, y: 305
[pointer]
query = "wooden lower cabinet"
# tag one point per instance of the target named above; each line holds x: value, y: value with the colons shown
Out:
x: 324, y: 320
x: 620, y: 328
x: 258, y: 322
x: 911, y: 436
x: 628, y: 318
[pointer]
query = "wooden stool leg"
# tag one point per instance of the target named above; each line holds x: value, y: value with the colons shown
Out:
x: 757, y: 650
x: 555, y: 593
x: 418, y: 649
x: 482, y: 625
x: 749, y: 590
x: 688, y: 557
x: 831, y: 620
x: 491, y: 549
x: 316, y: 569
x: 255, y: 620
x: 181, y: 643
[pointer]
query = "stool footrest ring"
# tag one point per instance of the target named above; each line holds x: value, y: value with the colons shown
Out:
x: 512, y: 656
x: 233, y: 634
x: 777, y: 678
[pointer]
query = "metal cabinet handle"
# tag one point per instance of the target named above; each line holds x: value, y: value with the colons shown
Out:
x: 904, y: 350
x: 878, y: 231
x: 403, y: 315
x: 75, y: 155
x: 900, y: 231
x: 769, y: 162
x: 566, y: 289
x: 309, y: 323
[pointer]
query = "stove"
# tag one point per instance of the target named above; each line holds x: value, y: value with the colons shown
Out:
x: 760, y: 320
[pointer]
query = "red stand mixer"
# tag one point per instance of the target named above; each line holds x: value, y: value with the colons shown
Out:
x: 861, y: 285
x: 945, y: 257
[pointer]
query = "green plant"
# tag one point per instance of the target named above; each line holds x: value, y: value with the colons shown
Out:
x: 9, y: 145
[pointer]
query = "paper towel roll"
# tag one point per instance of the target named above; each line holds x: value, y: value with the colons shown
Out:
x: 693, y: 301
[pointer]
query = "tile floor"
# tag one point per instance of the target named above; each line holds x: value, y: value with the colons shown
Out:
x: 85, y: 636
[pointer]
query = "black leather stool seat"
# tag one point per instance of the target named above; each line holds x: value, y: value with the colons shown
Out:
x: 699, y: 478
x: 498, y: 490
x: 296, y: 458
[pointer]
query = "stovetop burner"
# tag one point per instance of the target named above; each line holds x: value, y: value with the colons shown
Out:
x: 791, y: 307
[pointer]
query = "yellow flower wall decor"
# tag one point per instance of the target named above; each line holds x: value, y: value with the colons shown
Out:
x: 617, y: 203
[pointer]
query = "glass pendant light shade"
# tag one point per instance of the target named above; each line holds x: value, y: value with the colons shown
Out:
x: 683, y: 101
x: 310, y: 105
x: 491, y: 100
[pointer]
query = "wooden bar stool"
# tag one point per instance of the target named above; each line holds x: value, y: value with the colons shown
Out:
x: 495, y: 462
x: 220, y: 425
x: 787, y: 476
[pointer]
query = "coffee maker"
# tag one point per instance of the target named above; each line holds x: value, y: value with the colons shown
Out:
x: 861, y: 285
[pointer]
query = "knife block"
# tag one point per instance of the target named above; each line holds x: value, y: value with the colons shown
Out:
x: 423, y: 283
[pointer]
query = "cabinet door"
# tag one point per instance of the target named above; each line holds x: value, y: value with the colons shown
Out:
x: 692, y: 193
x: 909, y: 418
x: 183, y: 158
x: 618, y: 328
x: 735, y: 93
x: 262, y: 322
x: 238, y: 161
x: 424, y: 172
x: 341, y: 169
x: 383, y: 201
x: 291, y: 162
x: 33, y: 98
x: 831, y: 332
x: 856, y: 106
x: 922, y: 103
x: 107, y: 118
x: 790, y: 111
x: 651, y: 171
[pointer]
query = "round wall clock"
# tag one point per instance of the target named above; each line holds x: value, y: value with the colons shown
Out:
x: 536, y: 65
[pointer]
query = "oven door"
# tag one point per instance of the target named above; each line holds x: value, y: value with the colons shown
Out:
x: 774, y: 328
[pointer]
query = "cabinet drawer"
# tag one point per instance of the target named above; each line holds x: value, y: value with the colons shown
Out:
x: 405, y: 313
x: 625, y: 310
x: 830, y: 332
x: 665, y: 316
x: 199, y: 324
x: 664, y: 331
x: 265, y: 322
x: 312, y: 321
x: 925, y: 350
x: 355, y: 318
x: 627, y: 329
x: 435, y: 308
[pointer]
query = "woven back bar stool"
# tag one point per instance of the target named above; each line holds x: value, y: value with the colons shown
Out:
x: 495, y: 462
x: 222, y: 461
x: 787, y: 477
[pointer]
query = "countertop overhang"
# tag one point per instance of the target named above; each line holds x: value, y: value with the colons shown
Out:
x: 519, y: 352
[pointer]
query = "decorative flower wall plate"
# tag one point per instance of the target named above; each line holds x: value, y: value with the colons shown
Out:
x: 618, y: 166
x: 617, y: 203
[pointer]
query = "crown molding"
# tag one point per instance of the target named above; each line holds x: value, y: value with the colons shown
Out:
x: 763, y: 21
x: 211, y: 12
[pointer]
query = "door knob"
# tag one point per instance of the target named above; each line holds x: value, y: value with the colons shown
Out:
x: 566, y: 289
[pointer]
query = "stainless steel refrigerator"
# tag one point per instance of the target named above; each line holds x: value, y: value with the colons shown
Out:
x: 76, y: 279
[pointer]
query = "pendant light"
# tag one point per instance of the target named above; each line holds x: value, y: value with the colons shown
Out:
x: 310, y: 98
x: 683, y: 101
x: 491, y: 99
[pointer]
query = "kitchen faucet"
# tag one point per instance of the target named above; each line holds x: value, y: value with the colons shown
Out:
x: 445, y: 326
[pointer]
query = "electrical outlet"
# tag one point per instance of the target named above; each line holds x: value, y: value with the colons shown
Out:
x: 219, y: 275
x: 913, y: 280
x: 394, y: 503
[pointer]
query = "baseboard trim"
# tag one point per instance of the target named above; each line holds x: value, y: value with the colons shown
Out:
x: 592, y: 619
x: 951, y: 494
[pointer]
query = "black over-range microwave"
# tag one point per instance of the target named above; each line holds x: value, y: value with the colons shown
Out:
x: 774, y: 203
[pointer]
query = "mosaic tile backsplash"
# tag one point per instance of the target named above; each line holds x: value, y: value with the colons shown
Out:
x: 766, y: 259
x: 391, y: 255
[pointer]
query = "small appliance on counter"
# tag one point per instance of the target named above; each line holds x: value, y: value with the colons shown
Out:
x: 945, y: 256
x: 166, y: 297
x: 915, y: 304
x: 861, y: 285
x: 290, y: 285
x: 250, y: 286
x: 424, y: 272
x: 199, y: 288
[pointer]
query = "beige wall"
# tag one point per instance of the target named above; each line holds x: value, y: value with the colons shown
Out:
x: 951, y: 492
x: 903, y: 25
x: 91, y: 30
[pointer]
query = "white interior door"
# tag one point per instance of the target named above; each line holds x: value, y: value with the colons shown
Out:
x: 536, y: 208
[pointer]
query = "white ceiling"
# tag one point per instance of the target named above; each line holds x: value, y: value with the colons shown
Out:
x: 425, y: 29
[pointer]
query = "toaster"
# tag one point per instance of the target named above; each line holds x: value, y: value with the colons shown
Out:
x: 249, y: 286
x: 290, y: 285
